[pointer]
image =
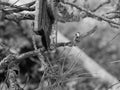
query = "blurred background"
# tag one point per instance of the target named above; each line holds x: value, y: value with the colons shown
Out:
x: 103, y: 46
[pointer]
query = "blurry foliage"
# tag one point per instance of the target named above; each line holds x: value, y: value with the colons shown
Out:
x: 18, y: 37
x: 98, y: 47
x: 103, y: 54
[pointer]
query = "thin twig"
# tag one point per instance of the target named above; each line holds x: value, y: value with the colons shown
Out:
x: 118, y: 61
x: 28, y: 4
x: 113, y: 38
x: 17, y: 10
x: 17, y: 58
x: 19, y: 17
x: 15, y: 6
x: 101, y: 5
x: 15, y: 2
x: 70, y: 44
x: 91, y: 14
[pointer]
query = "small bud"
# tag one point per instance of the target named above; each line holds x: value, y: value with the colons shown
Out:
x: 77, y: 34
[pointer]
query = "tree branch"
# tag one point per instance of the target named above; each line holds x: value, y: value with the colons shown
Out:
x: 18, y: 7
x: 91, y: 14
x: 77, y: 39
x: 20, y: 16
x: 15, y: 8
x: 101, y: 5
x: 16, y: 58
